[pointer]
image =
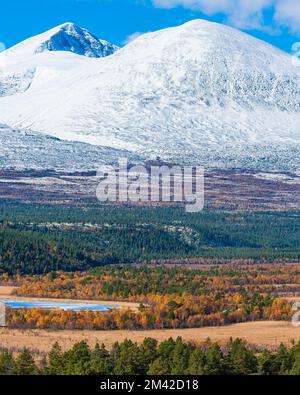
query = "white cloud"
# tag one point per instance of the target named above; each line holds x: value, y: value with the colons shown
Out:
x: 247, y: 14
x: 132, y: 37
x: 288, y: 14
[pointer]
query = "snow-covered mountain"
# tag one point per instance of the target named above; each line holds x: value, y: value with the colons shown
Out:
x: 65, y: 37
x: 201, y: 91
x: 48, y: 55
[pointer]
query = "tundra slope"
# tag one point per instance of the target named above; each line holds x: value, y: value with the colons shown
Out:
x: 200, y: 92
x: 24, y: 149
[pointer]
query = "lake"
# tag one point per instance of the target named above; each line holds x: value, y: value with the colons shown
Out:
x: 50, y: 305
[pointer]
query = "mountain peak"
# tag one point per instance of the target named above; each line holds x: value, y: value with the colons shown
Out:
x: 66, y: 24
x: 65, y: 37
x: 72, y: 38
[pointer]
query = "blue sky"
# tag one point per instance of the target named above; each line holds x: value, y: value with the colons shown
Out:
x: 275, y: 21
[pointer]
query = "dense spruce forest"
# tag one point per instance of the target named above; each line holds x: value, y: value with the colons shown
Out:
x: 171, y: 357
x: 36, y: 239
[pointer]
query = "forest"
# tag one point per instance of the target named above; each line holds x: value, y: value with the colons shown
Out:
x: 170, y: 357
x: 168, y: 297
x: 208, y: 269
x: 39, y: 238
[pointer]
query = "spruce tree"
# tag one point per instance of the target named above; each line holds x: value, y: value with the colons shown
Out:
x: 25, y: 364
x: 7, y: 363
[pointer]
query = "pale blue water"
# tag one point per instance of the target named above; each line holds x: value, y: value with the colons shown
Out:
x: 24, y: 304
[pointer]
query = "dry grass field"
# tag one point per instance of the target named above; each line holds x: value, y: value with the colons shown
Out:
x: 263, y: 333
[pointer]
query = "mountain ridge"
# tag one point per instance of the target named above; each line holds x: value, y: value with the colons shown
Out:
x: 194, y: 92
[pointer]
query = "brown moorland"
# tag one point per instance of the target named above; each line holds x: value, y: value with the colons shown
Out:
x: 260, y: 333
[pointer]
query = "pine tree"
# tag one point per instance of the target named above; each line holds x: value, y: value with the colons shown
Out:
x: 295, y: 354
x: 25, y: 364
x: 283, y: 360
x: 215, y: 362
x: 7, y: 363
x: 147, y: 353
x: 180, y: 357
x: 241, y: 359
x: 266, y: 366
x: 197, y: 362
x: 55, y: 361
x: 100, y: 364
x: 127, y: 362
x: 158, y: 367
x: 78, y: 360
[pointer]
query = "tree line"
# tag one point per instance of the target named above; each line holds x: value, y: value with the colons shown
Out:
x: 170, y: 357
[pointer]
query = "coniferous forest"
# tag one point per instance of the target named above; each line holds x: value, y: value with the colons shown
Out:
x: 36, y: 239
x: 170, y: 357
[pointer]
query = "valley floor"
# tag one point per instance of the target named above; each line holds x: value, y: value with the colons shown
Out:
x: 260, y: 333
x: 7, y: 292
